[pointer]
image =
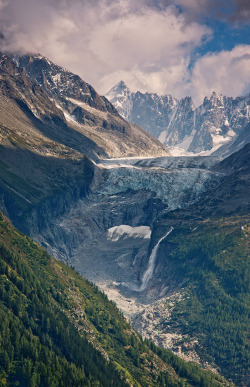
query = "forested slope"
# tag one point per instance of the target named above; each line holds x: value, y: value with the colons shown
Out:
x: 209, y: 252
x: 213, y: 256
x: 57, y: 329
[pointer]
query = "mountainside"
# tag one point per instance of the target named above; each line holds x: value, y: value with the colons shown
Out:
x: 92, y: 120
x: 58, y: 329
x: 107, y: 219
x: 34, y: 166
x: 207, y: 255
x: 241, y: 140
x: 43, y: 156
x: 181, y: 126
x: 207, y: 316
x: 114, y: 238
x: 164, y: 237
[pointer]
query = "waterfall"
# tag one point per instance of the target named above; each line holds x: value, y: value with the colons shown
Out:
x: 151, y: 264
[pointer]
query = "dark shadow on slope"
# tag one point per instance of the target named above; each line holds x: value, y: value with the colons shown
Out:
x: 41, y: 182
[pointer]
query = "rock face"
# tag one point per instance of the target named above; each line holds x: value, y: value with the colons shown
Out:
x: 181, y: 126
x: 88, y: 113
x: 61, y: 83
x: 152, y: 111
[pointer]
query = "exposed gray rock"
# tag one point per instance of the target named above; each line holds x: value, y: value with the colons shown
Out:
x: 133, y: 193
x: 181, y: 126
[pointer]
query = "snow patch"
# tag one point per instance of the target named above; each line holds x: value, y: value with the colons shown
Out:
x: 185, y: 144
x: 176, y: 152
x: 68, y: 117
x: 162, y: 136
x: 219, y: 140
x: 124, y: 231
x: 85, y: 106
x: 56, y: 78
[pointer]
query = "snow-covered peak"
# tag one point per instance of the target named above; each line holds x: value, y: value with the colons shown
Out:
x: 216, y: 100
x: 121, y: 85
x: 216, y: 97
x: 118, y: 91
x: 170, y: 99
x: 40, y: 57
x: 120, y: 97
x: 178, y: 123
x: 187, y: 102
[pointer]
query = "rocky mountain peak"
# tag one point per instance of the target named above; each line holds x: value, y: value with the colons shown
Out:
x: 121, y: 86
x: 170, y: 99
x: 54, y: 102
x: 8, y: 65
x: 120, y: 90
x: 62, y: 84
x: 182, y: 126
x: 187, y: 102
x: 217, y: 99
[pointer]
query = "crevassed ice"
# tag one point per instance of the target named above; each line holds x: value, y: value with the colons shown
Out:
x: 172, y: 187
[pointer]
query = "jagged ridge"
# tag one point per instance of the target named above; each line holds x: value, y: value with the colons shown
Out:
x: 88, y: 113
x: 178, y: 124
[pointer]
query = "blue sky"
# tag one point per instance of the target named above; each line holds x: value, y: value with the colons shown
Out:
x: 182, y: 47
x: 225, y: 37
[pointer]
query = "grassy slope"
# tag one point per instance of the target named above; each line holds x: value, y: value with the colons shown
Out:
x: 49, y: 317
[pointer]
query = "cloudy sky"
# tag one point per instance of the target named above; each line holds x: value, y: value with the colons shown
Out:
x: 182, y: 47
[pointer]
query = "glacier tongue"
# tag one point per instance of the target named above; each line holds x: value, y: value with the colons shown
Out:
x: 177, y: 181
x: 107, y: 235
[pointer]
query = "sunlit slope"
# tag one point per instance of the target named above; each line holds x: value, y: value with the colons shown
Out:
x: 91, y: 118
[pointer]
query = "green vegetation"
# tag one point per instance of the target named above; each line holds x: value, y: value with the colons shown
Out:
x: 12, y: 183
x: 41, y: 177
x: 57, y: 329
x: 214, y: 256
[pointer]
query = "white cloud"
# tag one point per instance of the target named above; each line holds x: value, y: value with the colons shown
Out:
x: 146, y: 43
x: 107, y: 39
x: 150, y: 51
x: 227, y: 72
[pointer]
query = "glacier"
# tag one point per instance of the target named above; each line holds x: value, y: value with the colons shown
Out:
x: 106, y: 235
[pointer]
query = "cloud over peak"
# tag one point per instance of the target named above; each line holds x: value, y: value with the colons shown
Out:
x: 147, y: 43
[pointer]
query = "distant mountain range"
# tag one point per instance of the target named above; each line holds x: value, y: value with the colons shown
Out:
x: 212, y: 127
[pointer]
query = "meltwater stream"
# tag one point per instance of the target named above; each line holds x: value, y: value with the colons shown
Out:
x: 151, y: 264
